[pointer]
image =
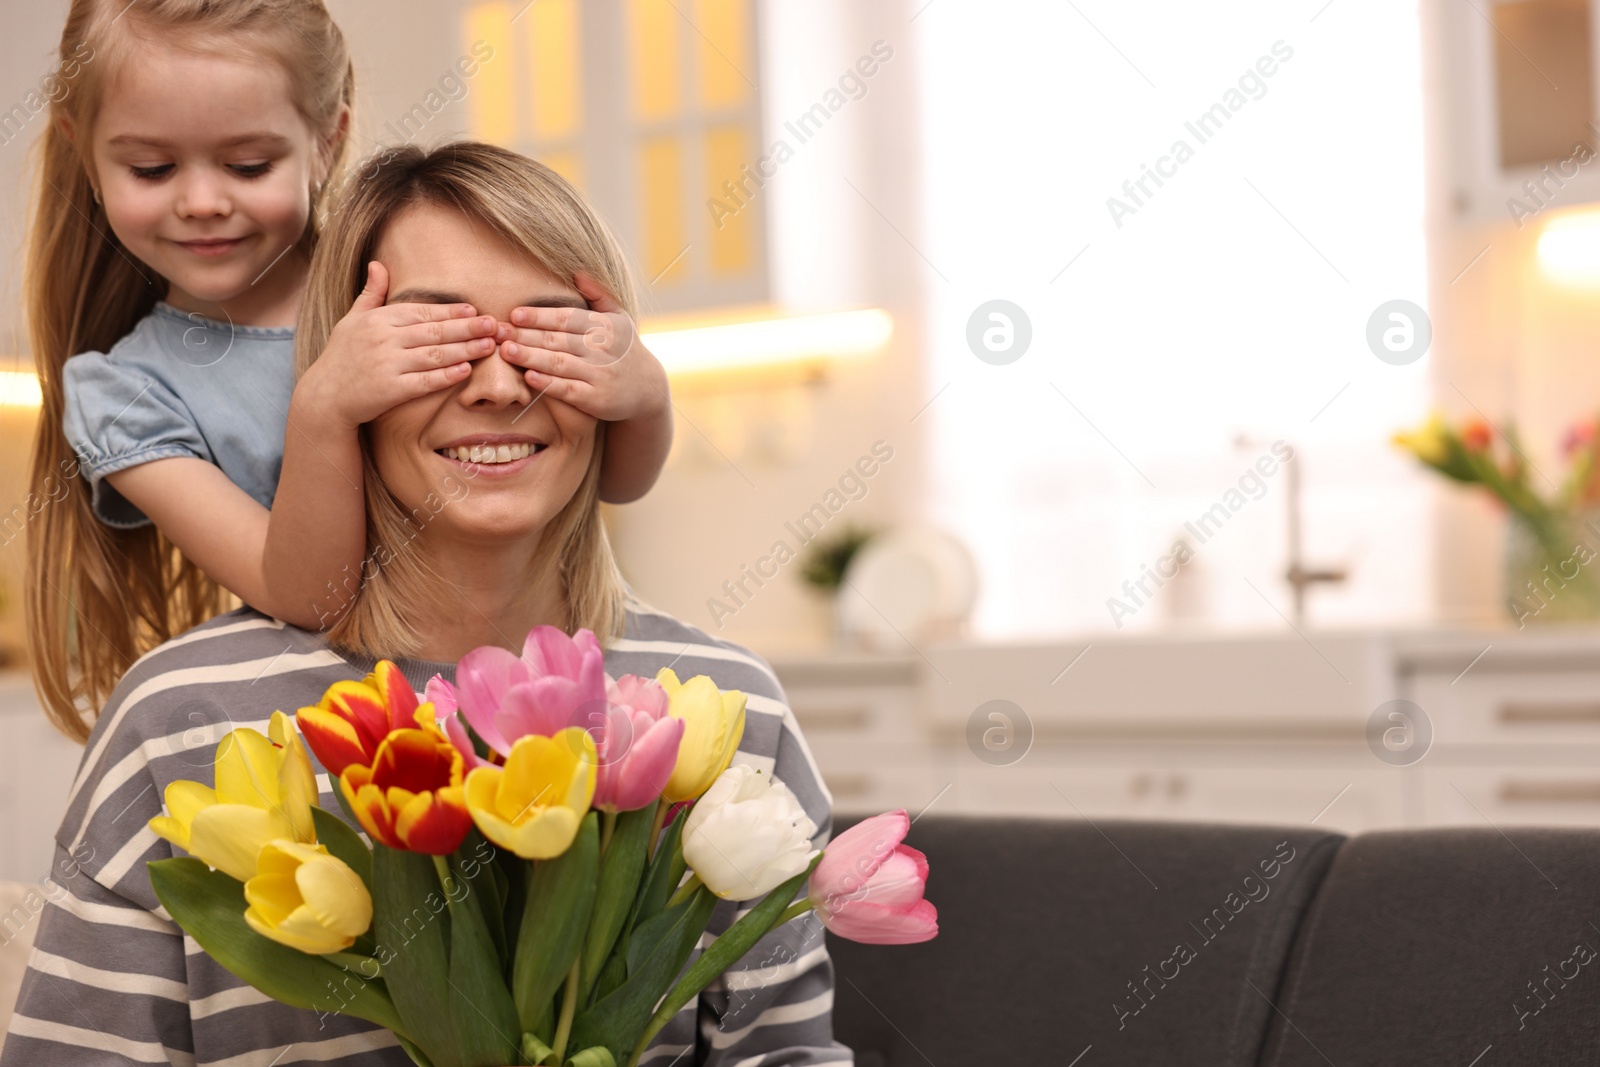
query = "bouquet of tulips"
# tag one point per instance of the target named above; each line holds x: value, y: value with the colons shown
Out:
x: 1469, y: 454
x: 544, y: 848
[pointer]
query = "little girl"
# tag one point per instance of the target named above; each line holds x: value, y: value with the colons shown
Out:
x: 171, y: 235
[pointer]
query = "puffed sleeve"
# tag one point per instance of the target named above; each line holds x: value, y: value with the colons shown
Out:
x: 117, y: 417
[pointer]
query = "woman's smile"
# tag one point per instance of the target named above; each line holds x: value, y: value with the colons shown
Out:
x: 493, y: 460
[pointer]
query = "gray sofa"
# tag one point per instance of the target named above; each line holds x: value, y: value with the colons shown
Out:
x: 1072, y: 944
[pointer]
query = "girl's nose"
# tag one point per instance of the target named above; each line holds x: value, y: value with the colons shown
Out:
x: 201, y: 194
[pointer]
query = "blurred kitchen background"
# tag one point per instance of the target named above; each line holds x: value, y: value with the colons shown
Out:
x: 1037, y: 370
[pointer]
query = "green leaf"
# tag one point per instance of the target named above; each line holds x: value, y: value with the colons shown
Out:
x: 498, y: 893
x: 598, y: 1056
x: 617, y: 1020
x: 726, y: 950
x: 410, y: 917
x: 481, y: 1011
x: 344, y: 843
x: 647, y: 937
x: 512, y: 872
x: 473, y: 862
x: 612, y: 975
x: 620, y: 871
x: 554, y: 920
x: 418, y: 1057
x: 659, y: 881
x: 209, y: 905
x: 536, y: 1051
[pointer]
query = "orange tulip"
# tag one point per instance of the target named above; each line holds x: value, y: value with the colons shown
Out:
x: 1476, y: 435
x: 351, y: 720
x: 411, y: 796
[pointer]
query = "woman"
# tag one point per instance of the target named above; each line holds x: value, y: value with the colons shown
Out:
x: 462, y: 555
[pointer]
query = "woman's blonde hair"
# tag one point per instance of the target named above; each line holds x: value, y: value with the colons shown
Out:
x: 98, y: 597
x: 537, y: 213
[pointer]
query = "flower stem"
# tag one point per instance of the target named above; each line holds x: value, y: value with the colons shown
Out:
x: 685, y: 890
x: 655, y: 828
x: 608, y: 822
x: 794, y: 911
x: 569, y: 1005
x: 442, y: 865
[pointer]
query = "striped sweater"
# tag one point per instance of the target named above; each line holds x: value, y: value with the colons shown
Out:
x: 113, y: 980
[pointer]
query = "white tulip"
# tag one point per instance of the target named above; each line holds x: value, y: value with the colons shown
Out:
x: 747, y: 835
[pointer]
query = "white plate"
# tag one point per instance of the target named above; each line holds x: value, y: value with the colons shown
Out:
x: 910, y: 583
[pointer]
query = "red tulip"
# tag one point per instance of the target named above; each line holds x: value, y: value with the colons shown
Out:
x: 1580, y: 436
x: 868, y: 887
x: 1476, y: 435
x: 351, y: 720
x: 412, y: 796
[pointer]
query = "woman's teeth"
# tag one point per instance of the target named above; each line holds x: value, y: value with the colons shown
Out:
x: 488, y: 453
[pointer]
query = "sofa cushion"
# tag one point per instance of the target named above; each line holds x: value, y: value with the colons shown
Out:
x: 1139, y: 939
x: 1459, y: 946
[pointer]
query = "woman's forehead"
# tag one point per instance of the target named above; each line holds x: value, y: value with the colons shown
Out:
x: 439, y: 250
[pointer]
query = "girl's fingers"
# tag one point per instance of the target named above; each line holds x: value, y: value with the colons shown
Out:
x: 554, y: 363
x: 432, y: 356
x: 577, y: 344
x: 566, y: 320
x: 410, y: 313
x: 565, y: 390
x: 377, y: 288
x: 598, y: 298
x: 447, y: 331
x: 421, y: 383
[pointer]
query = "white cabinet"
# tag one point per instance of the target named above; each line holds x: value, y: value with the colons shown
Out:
x: 1554, y: 703
x: 859, y: 716
x: 1333, y: 785
x: 1237, y: 728
x: 1516, y: 736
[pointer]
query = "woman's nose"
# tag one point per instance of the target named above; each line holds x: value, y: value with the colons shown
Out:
x: 495, y: 383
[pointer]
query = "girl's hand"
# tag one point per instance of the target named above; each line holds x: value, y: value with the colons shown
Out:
x: 380, y: 355
x: 592, y: 360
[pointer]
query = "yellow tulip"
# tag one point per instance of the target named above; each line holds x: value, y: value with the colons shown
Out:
x: 1427, y: 442
x: 306, y: 898
x: 712, y: 728
x: 265, y: 791
x: 536, y: 802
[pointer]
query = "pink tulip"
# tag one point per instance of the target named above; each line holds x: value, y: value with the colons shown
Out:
x: 558, y: 681
x: 638, y: 745
x: 446, y: 712
x: 868, y: 886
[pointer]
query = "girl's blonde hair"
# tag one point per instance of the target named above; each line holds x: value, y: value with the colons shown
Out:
x: 537, y: 213
x: 98, y: 597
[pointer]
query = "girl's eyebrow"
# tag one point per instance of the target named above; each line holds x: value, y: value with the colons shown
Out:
x: 264, y: 138
x: 435, y: 296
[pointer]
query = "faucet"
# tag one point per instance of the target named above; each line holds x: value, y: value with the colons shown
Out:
x: 1298, y: 575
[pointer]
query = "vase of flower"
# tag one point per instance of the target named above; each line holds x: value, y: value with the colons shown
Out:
x: 1552, y: 574
x: 1551, y: 569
